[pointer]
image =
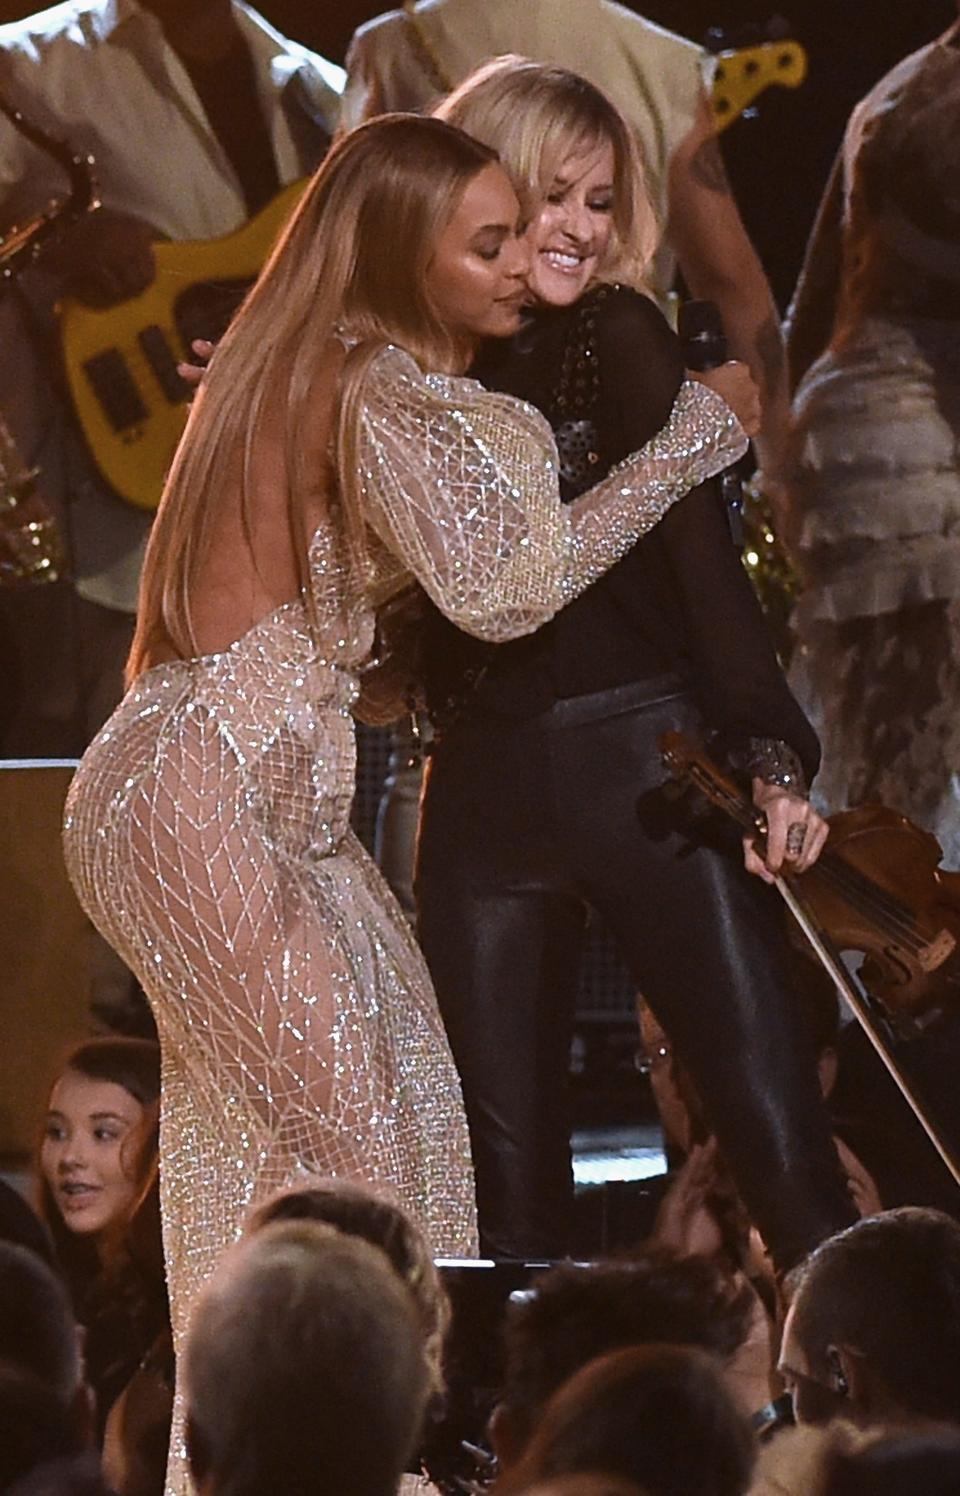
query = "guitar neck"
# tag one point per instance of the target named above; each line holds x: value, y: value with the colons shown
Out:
x: 724, y: 794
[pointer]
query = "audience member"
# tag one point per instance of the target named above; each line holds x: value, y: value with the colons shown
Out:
x: 38, y: 1336
x: 357, y: 1212
x: 792, y: 1463
x: 839, y: 1459
x: 36, y: 1424
x: 305, y: 1370
x: 136, y: 1437
x: 657, y: 1414
x: 896, y: 1464
x: 78, y: 1475
x: 873, y: 1331
x: 574, y: 1314
x: 98, y: 1195
x: 21, y: 1225
x: 45, y: 1406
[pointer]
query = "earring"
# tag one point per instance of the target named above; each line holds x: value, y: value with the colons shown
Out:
x: 840, y: 1383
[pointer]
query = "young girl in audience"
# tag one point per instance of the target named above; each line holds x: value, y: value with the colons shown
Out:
x: 98, y: 1195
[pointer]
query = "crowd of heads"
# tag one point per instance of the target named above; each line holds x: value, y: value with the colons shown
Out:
x: 314, y: 1361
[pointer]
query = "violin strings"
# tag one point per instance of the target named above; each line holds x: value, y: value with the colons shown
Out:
x: 868, y: 898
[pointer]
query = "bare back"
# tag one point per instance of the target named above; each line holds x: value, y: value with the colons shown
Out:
x: 252, y: 566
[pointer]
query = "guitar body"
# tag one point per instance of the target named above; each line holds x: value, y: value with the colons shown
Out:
x: 121, y: 362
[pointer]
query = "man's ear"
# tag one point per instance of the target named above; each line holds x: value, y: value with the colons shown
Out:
x: 840, y: 1382
x: 504, y: 1436
x: 855, y: 1378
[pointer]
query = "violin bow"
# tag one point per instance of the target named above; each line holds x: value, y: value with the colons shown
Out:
x: 688, y: 760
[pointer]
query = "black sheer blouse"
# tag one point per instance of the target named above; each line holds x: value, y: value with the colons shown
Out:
x: 606, y: 372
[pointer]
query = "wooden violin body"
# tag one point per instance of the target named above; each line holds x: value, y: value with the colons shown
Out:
x: 878, y: 888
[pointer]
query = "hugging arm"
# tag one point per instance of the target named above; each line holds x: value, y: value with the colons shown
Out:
x: 461, y: 485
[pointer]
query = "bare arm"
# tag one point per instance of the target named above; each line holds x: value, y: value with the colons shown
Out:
x: 720, y: 264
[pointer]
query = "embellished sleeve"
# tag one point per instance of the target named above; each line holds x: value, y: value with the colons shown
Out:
x: 462, y: 486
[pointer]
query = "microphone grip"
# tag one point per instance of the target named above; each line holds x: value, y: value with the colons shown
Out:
x: 701, y: 331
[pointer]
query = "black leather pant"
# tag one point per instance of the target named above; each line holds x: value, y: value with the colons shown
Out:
x: 524, y: 823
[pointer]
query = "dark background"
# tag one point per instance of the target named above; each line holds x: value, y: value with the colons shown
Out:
x: 780, y: 156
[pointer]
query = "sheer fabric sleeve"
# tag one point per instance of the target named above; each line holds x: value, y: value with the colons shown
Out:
x: 462, y: 486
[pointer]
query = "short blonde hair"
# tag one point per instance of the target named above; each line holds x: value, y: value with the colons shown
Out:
x: 535, y: 116
x: 356, y: 1211
x: 304, y: 1367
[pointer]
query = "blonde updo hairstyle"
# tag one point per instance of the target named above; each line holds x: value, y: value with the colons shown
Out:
x: 535, y: 116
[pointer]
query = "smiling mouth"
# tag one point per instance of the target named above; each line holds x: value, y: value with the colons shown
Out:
x: 75, y: 1192
x: 564, y: 260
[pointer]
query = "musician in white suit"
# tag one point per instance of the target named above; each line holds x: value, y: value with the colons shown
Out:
x: 196, y: 112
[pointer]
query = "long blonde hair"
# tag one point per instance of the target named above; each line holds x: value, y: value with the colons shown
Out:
x: 356, y: 253
x: 534, y: 116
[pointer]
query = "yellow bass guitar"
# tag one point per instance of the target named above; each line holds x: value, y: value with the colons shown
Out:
x: 121, y: 362
x: 743, y: 73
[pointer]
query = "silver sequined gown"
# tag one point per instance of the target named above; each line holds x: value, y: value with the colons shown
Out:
x: 207, y: 827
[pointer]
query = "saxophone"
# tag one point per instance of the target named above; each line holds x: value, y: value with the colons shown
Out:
x: 31, y: 547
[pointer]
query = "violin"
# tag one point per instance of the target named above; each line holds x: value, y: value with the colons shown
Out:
x: 876, y: 888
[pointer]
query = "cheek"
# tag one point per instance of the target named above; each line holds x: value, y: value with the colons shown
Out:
x: 547, y: 221
x: 603, y: 233
x: 458, y: 289
x: 115, y: 1168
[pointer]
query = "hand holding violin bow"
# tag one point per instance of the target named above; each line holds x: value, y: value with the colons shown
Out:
x: 793, y: 833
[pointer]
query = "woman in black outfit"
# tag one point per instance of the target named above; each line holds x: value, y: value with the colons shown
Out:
x: 543, y: 796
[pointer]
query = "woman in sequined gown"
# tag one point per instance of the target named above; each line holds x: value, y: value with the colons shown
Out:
x: 207, y: 828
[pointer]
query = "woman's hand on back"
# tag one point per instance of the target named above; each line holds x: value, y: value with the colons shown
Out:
x: 202, y: 352
x: 734, y: 383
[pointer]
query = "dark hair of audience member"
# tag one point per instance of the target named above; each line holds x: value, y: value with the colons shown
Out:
x: 888, y: 1287
x: 78, y: 1475
x: 574, y: 1314
x: 36, y: 1424
x: 896, y: 1464
x: 357, y: 1212
x: 37, y: 1331
x: 304, y: 1368
x: 21, y: 1226
x: 659, y: 1415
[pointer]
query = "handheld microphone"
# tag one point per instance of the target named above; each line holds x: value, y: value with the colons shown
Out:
x: 701, y: 331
